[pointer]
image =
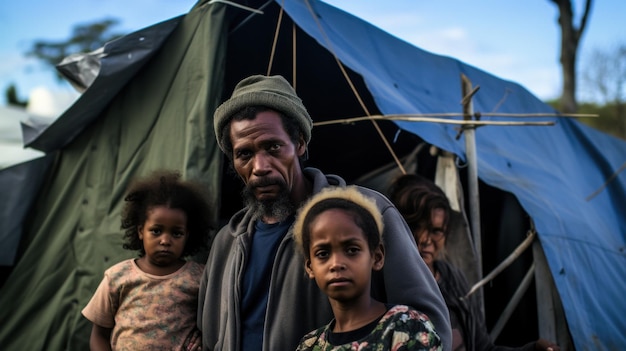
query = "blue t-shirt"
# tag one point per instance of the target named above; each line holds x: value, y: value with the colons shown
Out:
x: 256, y: 280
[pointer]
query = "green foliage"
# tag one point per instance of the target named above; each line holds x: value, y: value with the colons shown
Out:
x: 12, y: 98
x: 84, y: 38
x: 611, y: 117
x: 604, y: 80
x: 556, y: 104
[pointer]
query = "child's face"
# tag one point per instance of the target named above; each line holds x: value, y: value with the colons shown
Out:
x: 340, y: 259
x: 164, y: 235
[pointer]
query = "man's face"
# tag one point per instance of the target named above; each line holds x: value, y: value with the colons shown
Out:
x: 267, y: 161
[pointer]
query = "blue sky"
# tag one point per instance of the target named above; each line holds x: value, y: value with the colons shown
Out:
x: 516, y: 40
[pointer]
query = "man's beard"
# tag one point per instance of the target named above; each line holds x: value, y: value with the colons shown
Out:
x: 278, y: 208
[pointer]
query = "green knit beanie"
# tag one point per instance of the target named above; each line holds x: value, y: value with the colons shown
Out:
x: 271, y: 91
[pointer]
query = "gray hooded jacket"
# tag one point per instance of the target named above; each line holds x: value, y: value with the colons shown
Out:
x: 295, y: 304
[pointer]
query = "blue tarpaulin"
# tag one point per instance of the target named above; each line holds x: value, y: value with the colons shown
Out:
x: 564, y: 175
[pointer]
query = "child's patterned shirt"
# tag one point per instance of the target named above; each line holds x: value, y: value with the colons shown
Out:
x: 145, y: 311
x: 401, y: 328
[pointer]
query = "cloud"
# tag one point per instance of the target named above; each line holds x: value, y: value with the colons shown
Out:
x: 45, y: 102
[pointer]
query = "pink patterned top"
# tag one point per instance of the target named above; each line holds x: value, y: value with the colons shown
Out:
x: 145, y: 311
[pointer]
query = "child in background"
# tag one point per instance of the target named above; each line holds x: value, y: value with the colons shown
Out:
x: 150, y: 302
x: 339, y: 233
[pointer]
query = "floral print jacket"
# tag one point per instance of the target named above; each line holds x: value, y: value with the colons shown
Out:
x: 401, y: 328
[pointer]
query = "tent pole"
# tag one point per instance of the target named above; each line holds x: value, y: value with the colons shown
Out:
x: 513, y: 303
x: 472, y: 175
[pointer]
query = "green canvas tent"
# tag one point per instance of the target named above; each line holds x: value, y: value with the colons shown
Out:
x: 159, y: 118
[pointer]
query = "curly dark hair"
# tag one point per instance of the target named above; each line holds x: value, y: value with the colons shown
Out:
x: 416, y: 197
x: 166, y: 188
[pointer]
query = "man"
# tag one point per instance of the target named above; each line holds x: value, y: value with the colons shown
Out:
x: 254, y: 294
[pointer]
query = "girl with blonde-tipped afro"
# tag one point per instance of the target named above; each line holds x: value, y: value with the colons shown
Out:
x: 339, y: 233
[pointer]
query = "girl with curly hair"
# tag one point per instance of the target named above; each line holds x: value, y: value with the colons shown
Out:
x: 150, y: 302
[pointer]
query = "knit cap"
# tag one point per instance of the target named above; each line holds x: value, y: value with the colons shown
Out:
x: 271, y: 91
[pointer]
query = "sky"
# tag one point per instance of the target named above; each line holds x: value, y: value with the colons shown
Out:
x: 515, y: 40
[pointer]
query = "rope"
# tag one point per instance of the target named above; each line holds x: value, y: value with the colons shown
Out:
x: 280, y: 19
x: 293, y: 53
x: 356, y: 93
x: 610, y: 179
x: 234, y: 4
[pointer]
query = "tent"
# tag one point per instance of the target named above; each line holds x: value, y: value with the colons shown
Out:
x: 11, y: 144
x: 151, y: 107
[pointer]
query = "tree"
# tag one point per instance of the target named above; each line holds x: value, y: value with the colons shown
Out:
x: 85, y: 38
x: 605, y: 75
x: 570, y: 40
x: 12, y: 98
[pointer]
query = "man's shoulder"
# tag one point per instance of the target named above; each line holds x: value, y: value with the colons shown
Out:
x: 236, y: 225
x: 372, y: 193
x: 321, y: 180
x: 381, y: 200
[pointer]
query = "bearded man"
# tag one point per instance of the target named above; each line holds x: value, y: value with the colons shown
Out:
x: 254, y: 293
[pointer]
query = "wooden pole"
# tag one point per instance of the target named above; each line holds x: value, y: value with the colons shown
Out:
x: 472, y: 176
x: 512, y: 305
x: 504, y: 264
